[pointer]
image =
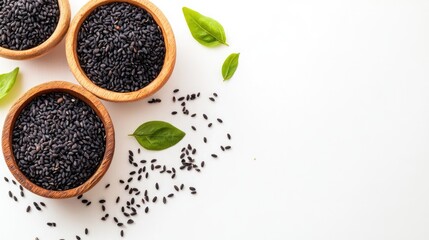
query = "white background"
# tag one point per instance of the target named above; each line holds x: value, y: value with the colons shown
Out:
x: 329, y: 112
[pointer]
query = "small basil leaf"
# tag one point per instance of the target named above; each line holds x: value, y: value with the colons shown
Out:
x: 205, y: 30
x: 230, y: 66
x: 157, y: 135
x: 7, y: 81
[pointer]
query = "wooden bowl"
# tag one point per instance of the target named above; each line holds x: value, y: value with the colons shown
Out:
x: 53, y: 40
x: 93, y: 102
x: 155, y: 85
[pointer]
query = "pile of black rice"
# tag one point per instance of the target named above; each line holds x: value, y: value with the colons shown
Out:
x: 58, y: 141
x: 26, y: 24
x: 121, y: 47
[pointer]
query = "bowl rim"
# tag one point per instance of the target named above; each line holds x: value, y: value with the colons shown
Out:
x: 155, y: 85
x: 56, y: 37
x: 88, y: 98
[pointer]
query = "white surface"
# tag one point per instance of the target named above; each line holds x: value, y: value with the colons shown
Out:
x: 329, y: 114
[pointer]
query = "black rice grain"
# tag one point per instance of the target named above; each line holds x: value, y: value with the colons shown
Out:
x: 58, y: 145
x: 154, y: 100
x: 51, y: 224
x: 120, y: 47
x: 37, y: 206
x: 27, y: 24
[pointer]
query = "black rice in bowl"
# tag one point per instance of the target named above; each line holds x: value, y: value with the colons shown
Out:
x: 58, y: 141
x: 120, y: 47
x: 25, y: 24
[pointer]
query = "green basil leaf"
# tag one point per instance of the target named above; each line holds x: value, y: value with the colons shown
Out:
x: 7, y: 81
x: 205, y: 30
x: 157, y: 135
x: 230, y: 66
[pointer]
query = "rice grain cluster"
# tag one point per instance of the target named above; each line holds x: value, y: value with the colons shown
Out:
x: 120, y: 47
x: 26, y: 24
x: 58, y: 141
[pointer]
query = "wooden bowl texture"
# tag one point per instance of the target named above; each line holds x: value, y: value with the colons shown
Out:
x: 155, y: 85
x: 93, y: 102
x: 53, y: 40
